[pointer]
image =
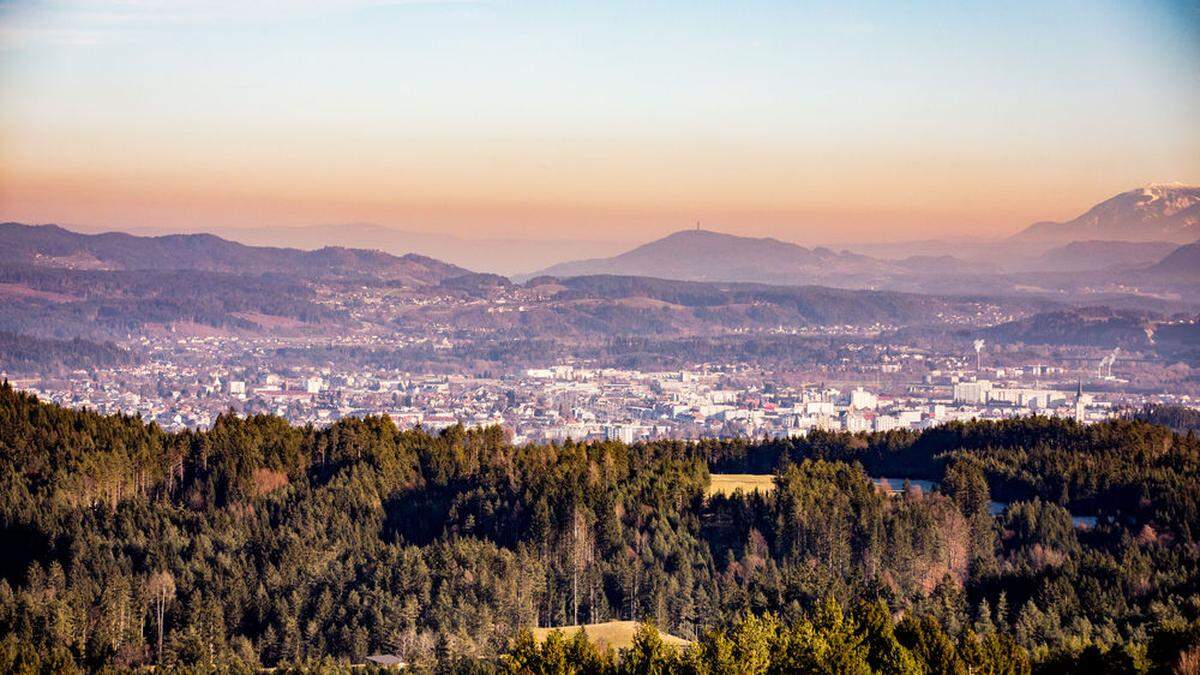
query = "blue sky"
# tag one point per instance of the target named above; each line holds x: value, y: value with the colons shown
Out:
x: 802, y: 120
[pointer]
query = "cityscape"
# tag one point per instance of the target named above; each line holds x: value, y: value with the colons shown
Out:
x: 189, y: 382
x: 479, y: 337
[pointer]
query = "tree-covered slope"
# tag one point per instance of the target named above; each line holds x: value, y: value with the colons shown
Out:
x: 257, y: 543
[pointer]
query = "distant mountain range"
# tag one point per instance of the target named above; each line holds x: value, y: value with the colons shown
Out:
x: 508, y: 255
x: 57, y: 284
x: 703, y: 255
x: 1157, y: 212
x: 1081, y: 256
x: 53, y: 246
x: 113, y: 281
x: 1183, y: 261
x: 599, y: 306
x: 1128, y: 233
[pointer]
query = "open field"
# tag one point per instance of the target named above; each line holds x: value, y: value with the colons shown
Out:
x: 728, y: 483
x: 615, y: 634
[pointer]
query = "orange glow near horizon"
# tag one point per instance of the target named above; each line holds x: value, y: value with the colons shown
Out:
x: 626, y: 200
x: 557, y: 122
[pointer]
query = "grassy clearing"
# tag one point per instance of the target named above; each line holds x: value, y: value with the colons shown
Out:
x: 615, y: 634
x: 728, y: 483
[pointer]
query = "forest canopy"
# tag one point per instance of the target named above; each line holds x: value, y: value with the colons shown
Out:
x: 256, y: 543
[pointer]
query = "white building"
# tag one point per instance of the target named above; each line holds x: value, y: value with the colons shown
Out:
x: 972, y: 392
x: 855, y: 422
x: 813, y: 408
x: 861, y: 399
x: 626, y: 433
x: 887, y: 423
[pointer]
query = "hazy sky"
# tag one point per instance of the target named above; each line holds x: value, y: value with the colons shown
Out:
x: 599, y: 120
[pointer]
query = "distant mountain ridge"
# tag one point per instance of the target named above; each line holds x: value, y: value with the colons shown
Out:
x: 1080, y: 256
x: 501, y: 255
x: 1156, y: 212
x: 54, y: 246
x: 1106, y: 327
x: 610, y: 305
x: 1097, y: 326
x: 704, y: 255
x: 1184, y: 261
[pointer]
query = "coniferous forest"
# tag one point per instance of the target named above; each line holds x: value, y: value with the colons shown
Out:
x: 1047, y: 547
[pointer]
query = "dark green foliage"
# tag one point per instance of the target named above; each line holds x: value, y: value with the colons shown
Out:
x: 1177, y: 417
x: 825, y: 640
x: 25, y: 354
x: 967, y: 485
x: 256, y: 543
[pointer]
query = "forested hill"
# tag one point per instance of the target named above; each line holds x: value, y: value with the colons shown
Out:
x: 257, y: 543
x: 25, y: 354
x: 54, y: 246
x: 703, y: 255
x: 1183, y: 261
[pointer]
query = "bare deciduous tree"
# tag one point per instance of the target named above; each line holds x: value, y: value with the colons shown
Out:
x: 161, y: 587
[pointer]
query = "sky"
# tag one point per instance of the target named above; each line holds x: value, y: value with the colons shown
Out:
x: 610, y: 120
